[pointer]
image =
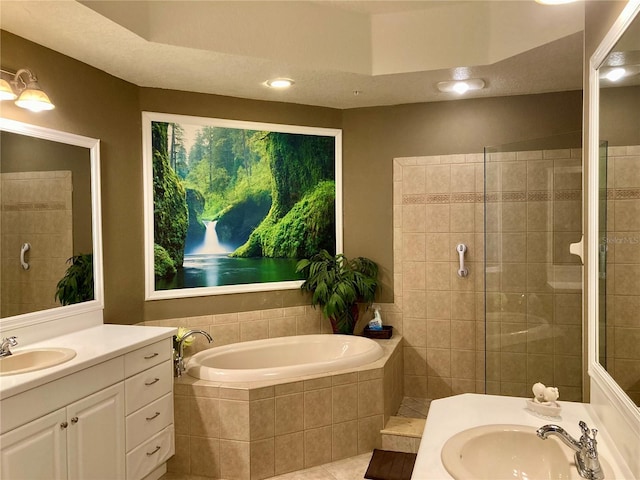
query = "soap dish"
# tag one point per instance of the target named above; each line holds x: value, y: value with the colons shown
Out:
x: 550, y: 410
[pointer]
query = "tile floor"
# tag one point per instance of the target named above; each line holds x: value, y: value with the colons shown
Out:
x: 352, y: 468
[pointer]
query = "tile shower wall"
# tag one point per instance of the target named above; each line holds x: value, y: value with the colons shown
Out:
x: 36, y: 209
x: 437, y: 205
x: 623, y: 268
x: 533, y: 213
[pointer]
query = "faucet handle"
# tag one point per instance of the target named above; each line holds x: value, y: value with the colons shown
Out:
x: 583, y: 427
x: 9, y: 342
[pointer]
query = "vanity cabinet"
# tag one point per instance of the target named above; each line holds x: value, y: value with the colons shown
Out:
x: 81, y: 441
x: 149, y: 408
x: 113, y: 420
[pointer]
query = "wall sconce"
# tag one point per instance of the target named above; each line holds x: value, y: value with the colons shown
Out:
x: 23, y: 87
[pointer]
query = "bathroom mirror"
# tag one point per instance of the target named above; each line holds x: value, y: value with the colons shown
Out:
x: 50, y: 225
x: 614, y: 200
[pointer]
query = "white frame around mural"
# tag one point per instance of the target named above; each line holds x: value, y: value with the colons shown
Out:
x: 147, y: 118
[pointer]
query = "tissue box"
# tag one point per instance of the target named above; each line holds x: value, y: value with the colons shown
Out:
x: 385, y: 333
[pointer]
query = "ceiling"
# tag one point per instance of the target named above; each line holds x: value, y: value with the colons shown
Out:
x: 341, y: 53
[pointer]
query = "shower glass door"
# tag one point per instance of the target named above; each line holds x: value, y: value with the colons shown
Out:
x: 533, y: 284
x: 602, y: 253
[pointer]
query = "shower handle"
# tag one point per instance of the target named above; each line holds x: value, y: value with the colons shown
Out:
x: 461, y: 248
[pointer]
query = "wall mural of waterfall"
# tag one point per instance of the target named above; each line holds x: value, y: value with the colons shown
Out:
x: 232, y: 206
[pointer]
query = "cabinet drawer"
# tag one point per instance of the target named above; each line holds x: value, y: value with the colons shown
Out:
x: 148, y: 456
x: 149, y: 420
x: 147, y: 386
x: 146, y: 357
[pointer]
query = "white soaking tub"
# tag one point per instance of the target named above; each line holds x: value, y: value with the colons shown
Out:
x: 283, y: 357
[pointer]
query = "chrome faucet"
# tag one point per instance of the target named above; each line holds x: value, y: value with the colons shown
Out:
x: 178, y: 349
x: 5, y: 346
x: 586, y: 451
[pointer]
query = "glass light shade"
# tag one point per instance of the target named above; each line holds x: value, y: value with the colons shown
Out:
x: 461, y: 86
x: 6, y: 92
x: 280, y: 83
x: 34, y: 99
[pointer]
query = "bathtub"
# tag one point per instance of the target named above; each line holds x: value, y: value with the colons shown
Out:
x: 283, y: 358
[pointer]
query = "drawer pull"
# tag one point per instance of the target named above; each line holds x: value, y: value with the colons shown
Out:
x: 152, y: 417
x: 154, y: 451
x: 155, y: 380
x: 153, y: 355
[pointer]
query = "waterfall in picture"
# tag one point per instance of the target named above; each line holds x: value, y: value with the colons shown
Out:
x: 211, y: 244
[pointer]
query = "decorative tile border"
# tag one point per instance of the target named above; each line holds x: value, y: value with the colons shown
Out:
x: 27, y: 207
x: 623, y: 193
x: 470, y: 197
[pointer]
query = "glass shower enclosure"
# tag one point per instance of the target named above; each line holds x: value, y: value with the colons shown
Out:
x: 533, y: 284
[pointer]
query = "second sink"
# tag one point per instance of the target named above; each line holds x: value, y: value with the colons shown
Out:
x: 507, y: 452
x: 33, y: 359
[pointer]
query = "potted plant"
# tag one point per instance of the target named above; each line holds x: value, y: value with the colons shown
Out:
x: 338, y: 284
x: 77, y: 284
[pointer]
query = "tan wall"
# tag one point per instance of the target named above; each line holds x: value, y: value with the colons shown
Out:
x: 617, y: 105
x: 92, y: 103
x: 105, y: 107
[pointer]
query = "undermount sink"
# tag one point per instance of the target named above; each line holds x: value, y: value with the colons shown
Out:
x: 34, y: 359
x: 508, y: 452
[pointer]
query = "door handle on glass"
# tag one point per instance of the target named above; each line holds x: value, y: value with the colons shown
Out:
x: 25, y: 248
x: 462, y: 271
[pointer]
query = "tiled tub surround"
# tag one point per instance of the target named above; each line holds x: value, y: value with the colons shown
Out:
x: 533, y: 214
x: 36, y: 209
x: 237, y: 327
x: 254, y: 431
x: 623, y: 268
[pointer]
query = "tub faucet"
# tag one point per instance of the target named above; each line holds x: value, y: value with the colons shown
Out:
x: 5, y: 346
x: 178, y: 349
x: 586, y: 451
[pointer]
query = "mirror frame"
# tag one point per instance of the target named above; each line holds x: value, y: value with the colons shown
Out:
x: 97, y: 304
x: 599, y: 376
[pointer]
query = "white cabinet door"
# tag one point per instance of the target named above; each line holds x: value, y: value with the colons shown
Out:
x: 96, y: 435
x: 37, y: 450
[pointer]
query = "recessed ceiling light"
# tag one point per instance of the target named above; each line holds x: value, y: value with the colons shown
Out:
x: 461, y: 86
x: 615, y: 74
x: 280, y: 83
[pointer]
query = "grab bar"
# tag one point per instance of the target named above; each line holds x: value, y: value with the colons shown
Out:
x: 462, y: 271
x: 25, y: 248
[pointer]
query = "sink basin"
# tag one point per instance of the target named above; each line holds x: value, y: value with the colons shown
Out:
x: 508, y: 452
x: 34, y: 359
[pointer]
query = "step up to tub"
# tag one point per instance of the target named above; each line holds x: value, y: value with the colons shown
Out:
x: 402, y: 434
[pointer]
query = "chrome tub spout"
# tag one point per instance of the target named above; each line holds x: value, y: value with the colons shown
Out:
x: 178, y: 347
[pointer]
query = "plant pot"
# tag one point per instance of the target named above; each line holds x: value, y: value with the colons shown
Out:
x: 349, y: 326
